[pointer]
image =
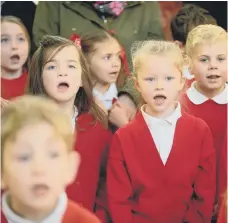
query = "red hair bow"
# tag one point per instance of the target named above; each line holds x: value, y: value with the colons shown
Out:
x: 76, y: 38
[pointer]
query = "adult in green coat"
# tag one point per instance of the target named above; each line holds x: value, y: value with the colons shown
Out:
x: 137, y: 21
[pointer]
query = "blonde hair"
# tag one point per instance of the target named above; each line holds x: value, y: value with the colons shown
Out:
x: 15, y: 20
x: 26, y: 110
x: 141, y: 50
x: 204, y: 33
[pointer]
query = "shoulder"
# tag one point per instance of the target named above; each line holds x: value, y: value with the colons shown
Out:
x: 75, y: 213
x: 195, y: 123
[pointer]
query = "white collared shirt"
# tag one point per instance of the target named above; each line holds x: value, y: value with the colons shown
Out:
x: 74, y: 118
x: 198, y: 98
x: 108, y: 96
x: 162, y: 131
x: 55, y: 217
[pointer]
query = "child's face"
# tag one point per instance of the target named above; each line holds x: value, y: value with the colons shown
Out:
x: 14, y: 46
x: 159, y: 82
x: 105, y: 62
x: 37, y: 167
x: 62, y: 75
x: 209, y: 65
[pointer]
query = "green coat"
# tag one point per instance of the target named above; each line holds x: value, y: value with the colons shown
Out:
x: 138, y: 21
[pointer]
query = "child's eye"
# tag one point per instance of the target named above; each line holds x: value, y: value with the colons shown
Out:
x: 204, y: 59
x: 221, y: 58
x: 169, y: 78
x: 4, y: 40
x: 150, y: 79
x: 51, y: 67
x: 107, y: 57
x: 54, y: 154
x: 72, y: 66
x: 21, y: 39
x: 23, y: 158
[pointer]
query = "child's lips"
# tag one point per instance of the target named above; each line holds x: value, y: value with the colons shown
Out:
x: 213, y: 76
x: 40, y: 189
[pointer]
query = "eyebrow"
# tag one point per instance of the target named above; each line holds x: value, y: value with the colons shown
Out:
x: 53, y: 60
x: 10, y: 35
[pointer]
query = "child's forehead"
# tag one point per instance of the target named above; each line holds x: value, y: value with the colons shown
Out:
x: 67, y: 53
x: 11, y: 28
x: 107, y: 45
x: 211, y: 48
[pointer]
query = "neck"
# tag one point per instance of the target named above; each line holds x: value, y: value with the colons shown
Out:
x: 163, y: 114
x: 67, y: 108
x: 29, y: 213
x: 209, y: 93
x: 10, y: 74
x: 102, y: 88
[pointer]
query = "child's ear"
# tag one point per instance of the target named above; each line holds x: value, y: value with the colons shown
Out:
x: 136, y: 83
x: 73, y: 165
x: 3, y: 184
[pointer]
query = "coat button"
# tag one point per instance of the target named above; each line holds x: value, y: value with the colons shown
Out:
x: 80, y: 204
x: 77, y: 183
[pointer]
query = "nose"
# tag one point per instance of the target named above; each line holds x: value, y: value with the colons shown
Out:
x: 213, y: 65
x: 116, y: 62
x: 14, y: 44
x: 62, y: 71
x: 159, y: 85
x: 38, y: 167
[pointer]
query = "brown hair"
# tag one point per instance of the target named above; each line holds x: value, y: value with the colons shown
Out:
x: 27, y: 110
x: 88, y: 42
x: 189, y: 17
x: 49, y: 47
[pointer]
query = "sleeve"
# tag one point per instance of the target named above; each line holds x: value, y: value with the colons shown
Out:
x: 200, y: 209
x: 119, y: 190
x: 46, y: 21
x: 155, y: 31
x: 101, y: 205
x: 222, y: 172
x: 129, y: 89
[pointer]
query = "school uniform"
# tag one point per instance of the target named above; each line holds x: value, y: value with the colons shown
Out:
x: 213, y: 112
x: 162, y: 170
x: 92, y: 143
x: 108, y: 96
x: 65, y: 212
x: 11, y: 88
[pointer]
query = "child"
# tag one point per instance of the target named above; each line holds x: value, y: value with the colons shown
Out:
x: 207, y: 97
x: 59, y: 71
x: 38, y: 163
x: 103, y: 53
x: 189, y: 17
x: 161, y: 166
x: 15, y: 46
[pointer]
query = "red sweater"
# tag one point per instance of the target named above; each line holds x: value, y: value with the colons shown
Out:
x: 215, y: 115
x: 142, y: 190
x: 73, y: 214
x: 92, y: 144
x: 15, y: 87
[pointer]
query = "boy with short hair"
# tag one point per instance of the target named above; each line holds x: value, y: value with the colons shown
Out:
x: 38, y: 162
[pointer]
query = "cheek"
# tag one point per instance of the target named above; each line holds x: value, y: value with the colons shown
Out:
x: 48, y: 82
x: 5, y: 53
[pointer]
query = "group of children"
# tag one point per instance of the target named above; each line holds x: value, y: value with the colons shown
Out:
x: 76, y: 144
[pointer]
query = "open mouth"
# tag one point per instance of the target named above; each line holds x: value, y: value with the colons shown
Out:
x: 113, y: 73
x: 159, y: 99
x: 15, y: 58
x: 213, y: 76
x: 40, y: 189
x: 63, y: 85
